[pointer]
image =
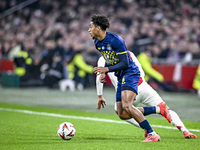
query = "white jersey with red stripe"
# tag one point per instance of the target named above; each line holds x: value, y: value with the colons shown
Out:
x: 135, y: 60
x: 146, y: 94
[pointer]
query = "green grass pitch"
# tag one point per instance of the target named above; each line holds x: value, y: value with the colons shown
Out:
x: 26, y: 125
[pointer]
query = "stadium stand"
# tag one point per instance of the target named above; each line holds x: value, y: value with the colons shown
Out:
x: 172, y: 25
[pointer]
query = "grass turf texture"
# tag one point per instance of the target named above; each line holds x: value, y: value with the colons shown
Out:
x: 186, y: 105
x: 31, y: 131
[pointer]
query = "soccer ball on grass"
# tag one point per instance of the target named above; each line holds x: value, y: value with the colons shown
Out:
x: 66, y: 130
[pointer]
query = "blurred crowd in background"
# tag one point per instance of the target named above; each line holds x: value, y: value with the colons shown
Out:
x: 168, y: 29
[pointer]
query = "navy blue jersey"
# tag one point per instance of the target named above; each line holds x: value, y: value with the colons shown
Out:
x: 110, y: 48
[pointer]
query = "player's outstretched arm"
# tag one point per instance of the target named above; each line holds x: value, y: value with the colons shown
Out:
x: 101, y: 102
x: 99, y: 85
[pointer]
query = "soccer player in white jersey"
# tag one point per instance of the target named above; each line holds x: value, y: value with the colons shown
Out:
x: 146, y: 95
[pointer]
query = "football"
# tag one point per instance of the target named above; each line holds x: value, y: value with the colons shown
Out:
x: 66, y: 130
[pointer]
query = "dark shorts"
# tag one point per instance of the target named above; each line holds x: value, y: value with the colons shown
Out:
x: 128, y: 82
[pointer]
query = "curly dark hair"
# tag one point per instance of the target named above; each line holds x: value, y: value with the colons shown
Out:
x: 101, y: 20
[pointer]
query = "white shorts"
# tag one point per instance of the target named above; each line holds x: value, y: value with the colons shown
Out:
x: 147, y: 95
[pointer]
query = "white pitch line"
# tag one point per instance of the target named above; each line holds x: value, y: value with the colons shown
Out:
x: 82, y: 118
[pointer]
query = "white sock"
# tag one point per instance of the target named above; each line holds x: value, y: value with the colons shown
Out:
x: 153, y: 133
x: 133, y: 122
x: 157, y: 109
x: 176, y: 121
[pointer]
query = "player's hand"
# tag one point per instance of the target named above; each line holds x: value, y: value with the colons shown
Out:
x: 100, y: 70
x: 103, y: 78
x: 101, y: 102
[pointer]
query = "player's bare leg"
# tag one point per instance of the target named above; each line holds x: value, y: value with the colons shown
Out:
x: 126, y: 106
x: 126, y: 116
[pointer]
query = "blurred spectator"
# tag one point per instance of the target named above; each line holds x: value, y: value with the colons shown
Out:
x: 60, y: 49
x: 47, y: 54
x: 78, y: 68
x: 52, y: 47
x: 26, y: 69
x: 15, y: 50
x: 173, y: 53
x: 165, y: 50
x: 150, y: 73
x: 196, y: 81
x: 52, y: 74
x: 5, y: 49
x: 22, y: 60
x: 145, y: 60
x: 193, y: 52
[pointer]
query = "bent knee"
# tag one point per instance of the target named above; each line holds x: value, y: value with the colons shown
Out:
x: 123, y: 115
x: 127, y: 107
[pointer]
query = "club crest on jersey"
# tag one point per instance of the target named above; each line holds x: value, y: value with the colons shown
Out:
x: 106, y: 56
x: 103, y: 48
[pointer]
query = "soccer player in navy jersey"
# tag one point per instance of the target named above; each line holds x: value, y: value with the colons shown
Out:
x: 113, y: 49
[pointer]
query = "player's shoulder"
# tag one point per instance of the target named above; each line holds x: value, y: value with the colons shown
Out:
x: 113, y: 35
x: 115, y: 39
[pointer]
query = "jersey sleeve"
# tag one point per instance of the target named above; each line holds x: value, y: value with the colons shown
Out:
x: 99, y: 85
x: 123, y: 63
x: 121, y: 52
x: 101, y: 62
x: 118, y: 45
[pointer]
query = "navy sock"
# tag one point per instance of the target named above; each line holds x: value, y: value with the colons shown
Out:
x: 149, y: 110
x: 145, y: 125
